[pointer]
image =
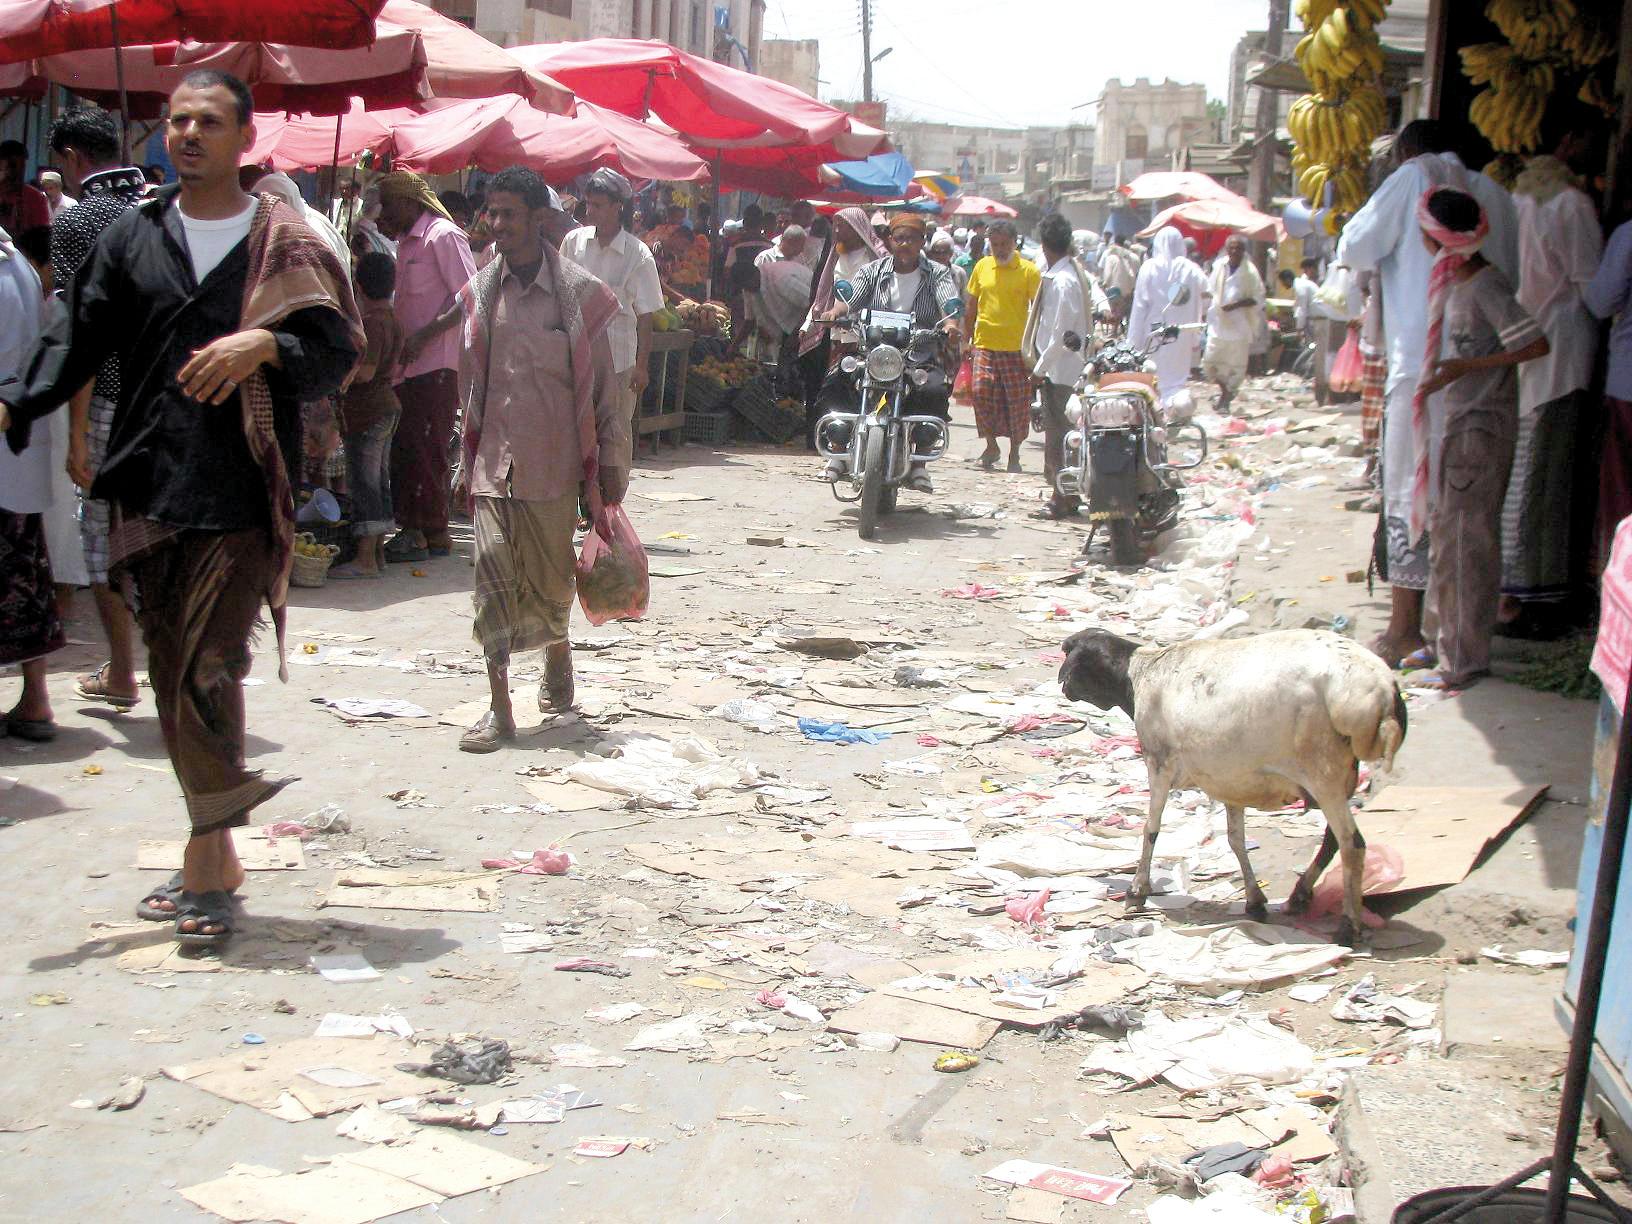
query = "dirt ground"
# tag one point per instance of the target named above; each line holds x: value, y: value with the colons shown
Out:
x: 779, y: 1112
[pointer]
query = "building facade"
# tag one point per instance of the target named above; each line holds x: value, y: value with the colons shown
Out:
x: 793, y: 61
x: 725, y: 30
x: 987, y: 160
x: 1144, y: 125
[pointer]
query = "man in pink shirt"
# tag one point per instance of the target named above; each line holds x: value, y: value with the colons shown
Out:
x: 433, y: 264
x: 543, y: 419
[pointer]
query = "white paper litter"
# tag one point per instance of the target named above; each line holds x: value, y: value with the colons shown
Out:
x: 338, y: 1024
x: 1365, y: 1004
x: 674, y: 1036
x: 919, y: 833
x: 345, y: 967
x: 1204, y: 1052
x: 1038, y: 853
x: 1535, y: 958
x: 1245, y: 954
x: 664, y: 774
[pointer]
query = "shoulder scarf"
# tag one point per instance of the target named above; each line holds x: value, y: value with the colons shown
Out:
x: 1454, y: 249
x: 290, y: 268
x: 822, y: 302
x: 587, y: 309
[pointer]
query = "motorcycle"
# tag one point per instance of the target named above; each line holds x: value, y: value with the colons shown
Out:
x: 881, y: 440
x: 1116, y: 454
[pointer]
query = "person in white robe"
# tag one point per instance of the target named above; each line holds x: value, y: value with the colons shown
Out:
x: 1232, y: 321
x: 1560, y: 246
x: 1166, y: 268
x: 1384, y: 236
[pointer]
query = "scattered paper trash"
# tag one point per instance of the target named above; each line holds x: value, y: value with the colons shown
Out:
x: 1090, y: 1187
x: 372, y: 707
x: 1534, y: 958
x: 344, y: 967
x: 1366, y: 1004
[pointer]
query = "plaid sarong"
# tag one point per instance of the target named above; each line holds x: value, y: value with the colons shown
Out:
x: 1373, y: 395
x: 1002, y: 395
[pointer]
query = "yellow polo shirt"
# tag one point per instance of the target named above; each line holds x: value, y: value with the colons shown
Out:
x: 1002, y: 293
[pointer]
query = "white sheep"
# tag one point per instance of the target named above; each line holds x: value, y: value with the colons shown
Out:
x: 1254, y: 722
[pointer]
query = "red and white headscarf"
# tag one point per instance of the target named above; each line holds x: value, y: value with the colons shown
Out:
x: 1455, y: 248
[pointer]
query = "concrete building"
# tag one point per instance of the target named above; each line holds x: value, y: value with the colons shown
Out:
x: 986, y: 159
x: 793, y: 61
x: 725, y: 30
x: 1143, y: 125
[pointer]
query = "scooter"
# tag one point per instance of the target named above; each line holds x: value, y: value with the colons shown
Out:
x: 881, y: 440
x: 1116, y: 454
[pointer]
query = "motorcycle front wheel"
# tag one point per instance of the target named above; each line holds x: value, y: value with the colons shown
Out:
x: 872, y: 482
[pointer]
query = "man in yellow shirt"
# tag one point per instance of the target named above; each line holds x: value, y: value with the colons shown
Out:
x: 1001, y: 287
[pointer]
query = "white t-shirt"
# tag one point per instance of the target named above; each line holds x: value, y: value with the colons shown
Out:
x: 904, y: 291
x: 208, y: 242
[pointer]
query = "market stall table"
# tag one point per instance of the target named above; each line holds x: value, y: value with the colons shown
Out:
x: 656, y: 415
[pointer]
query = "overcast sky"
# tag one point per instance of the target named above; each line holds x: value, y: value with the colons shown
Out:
x: 1008, y: 63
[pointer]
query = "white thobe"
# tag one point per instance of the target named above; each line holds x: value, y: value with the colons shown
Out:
x: 1168, y: 266
x: 1060, y: 309
x: 1385, y: 237
x: 1560, y: 244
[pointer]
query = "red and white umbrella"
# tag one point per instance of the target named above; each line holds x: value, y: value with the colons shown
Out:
x: 980, y: 206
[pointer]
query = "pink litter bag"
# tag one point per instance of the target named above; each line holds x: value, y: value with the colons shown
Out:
x: 612, y: 579
x: 1347, y: 365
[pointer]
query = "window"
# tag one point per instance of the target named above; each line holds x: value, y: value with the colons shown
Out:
x: 696, y: 24
x: 637, y: 20
x: 1137, y: 142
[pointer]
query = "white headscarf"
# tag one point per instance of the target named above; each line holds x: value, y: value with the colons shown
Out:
x: 282, y: 186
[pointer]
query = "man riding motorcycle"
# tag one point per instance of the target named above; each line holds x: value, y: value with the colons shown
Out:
x: 906, y: 282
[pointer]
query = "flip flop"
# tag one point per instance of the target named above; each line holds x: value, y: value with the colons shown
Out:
x: 34, y: 730
x: 488, y: 735
x: 169, y: 891
x: 1418, y: 659
x: 982, y: 461
x: 94, y: 687
x: 212, y: 908
x: 349, y: 570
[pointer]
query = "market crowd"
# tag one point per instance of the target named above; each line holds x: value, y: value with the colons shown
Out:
x: 505, y: 334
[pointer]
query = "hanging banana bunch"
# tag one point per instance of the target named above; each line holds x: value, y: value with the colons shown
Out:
x: 1548, y: 43
x: 1333, y: 127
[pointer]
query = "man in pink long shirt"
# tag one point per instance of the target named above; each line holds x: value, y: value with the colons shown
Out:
x: 543, y: 414
x: 433, y: 265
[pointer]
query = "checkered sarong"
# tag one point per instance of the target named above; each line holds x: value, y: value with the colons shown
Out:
x: 1373, y: 394
x: 1002, y: 395
x: 93, y: 514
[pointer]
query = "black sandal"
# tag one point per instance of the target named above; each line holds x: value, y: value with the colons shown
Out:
x: 169, y: 891
x: 212, y: 908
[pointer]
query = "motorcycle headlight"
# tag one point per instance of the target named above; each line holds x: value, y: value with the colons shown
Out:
x: 885, y: 364
x: 1073, y: 410
x: 919, y: 377
x: 1073, y: 440
x: 850, y: 364
x: 1113, y: 411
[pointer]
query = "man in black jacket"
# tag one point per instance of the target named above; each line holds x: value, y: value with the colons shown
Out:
x: 220, y: 308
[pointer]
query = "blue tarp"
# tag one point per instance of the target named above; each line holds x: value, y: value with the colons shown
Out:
x: 885, y: 175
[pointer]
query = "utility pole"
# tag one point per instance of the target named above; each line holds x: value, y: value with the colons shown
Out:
x: 1261, y: 177
x: 866, y: 50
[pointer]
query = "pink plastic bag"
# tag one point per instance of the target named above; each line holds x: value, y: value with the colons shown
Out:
x: 1347, y: 365
x: 612, y: 579
x: 964, y: 383
x: 1383, y: 868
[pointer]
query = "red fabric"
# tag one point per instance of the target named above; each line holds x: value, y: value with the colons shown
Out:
x: 34, y: 28
x: 390, y: 73
x: 1002, y: 395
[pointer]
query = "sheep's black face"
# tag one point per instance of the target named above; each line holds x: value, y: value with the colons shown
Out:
x: 1096, y: 669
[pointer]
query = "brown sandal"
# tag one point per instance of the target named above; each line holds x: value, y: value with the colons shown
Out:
x: 94, y: 687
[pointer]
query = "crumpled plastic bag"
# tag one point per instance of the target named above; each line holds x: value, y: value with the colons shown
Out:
x: 661, y: 773
x: 470, y: 1062
x: 1383, y: 868
x: 612, y: 580
x: 839, y: 733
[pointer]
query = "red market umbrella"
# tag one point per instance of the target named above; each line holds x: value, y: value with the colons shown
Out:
x: 766, y: 136
x: 980, y: 206
x: 1186, y: 184
x: 1210, y: 222
x: 490, y: 134
x: 391, y: 72
x: 711, y: 105
x: 306, y: 141
x: 460, y: 63
x: 30, y: 29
